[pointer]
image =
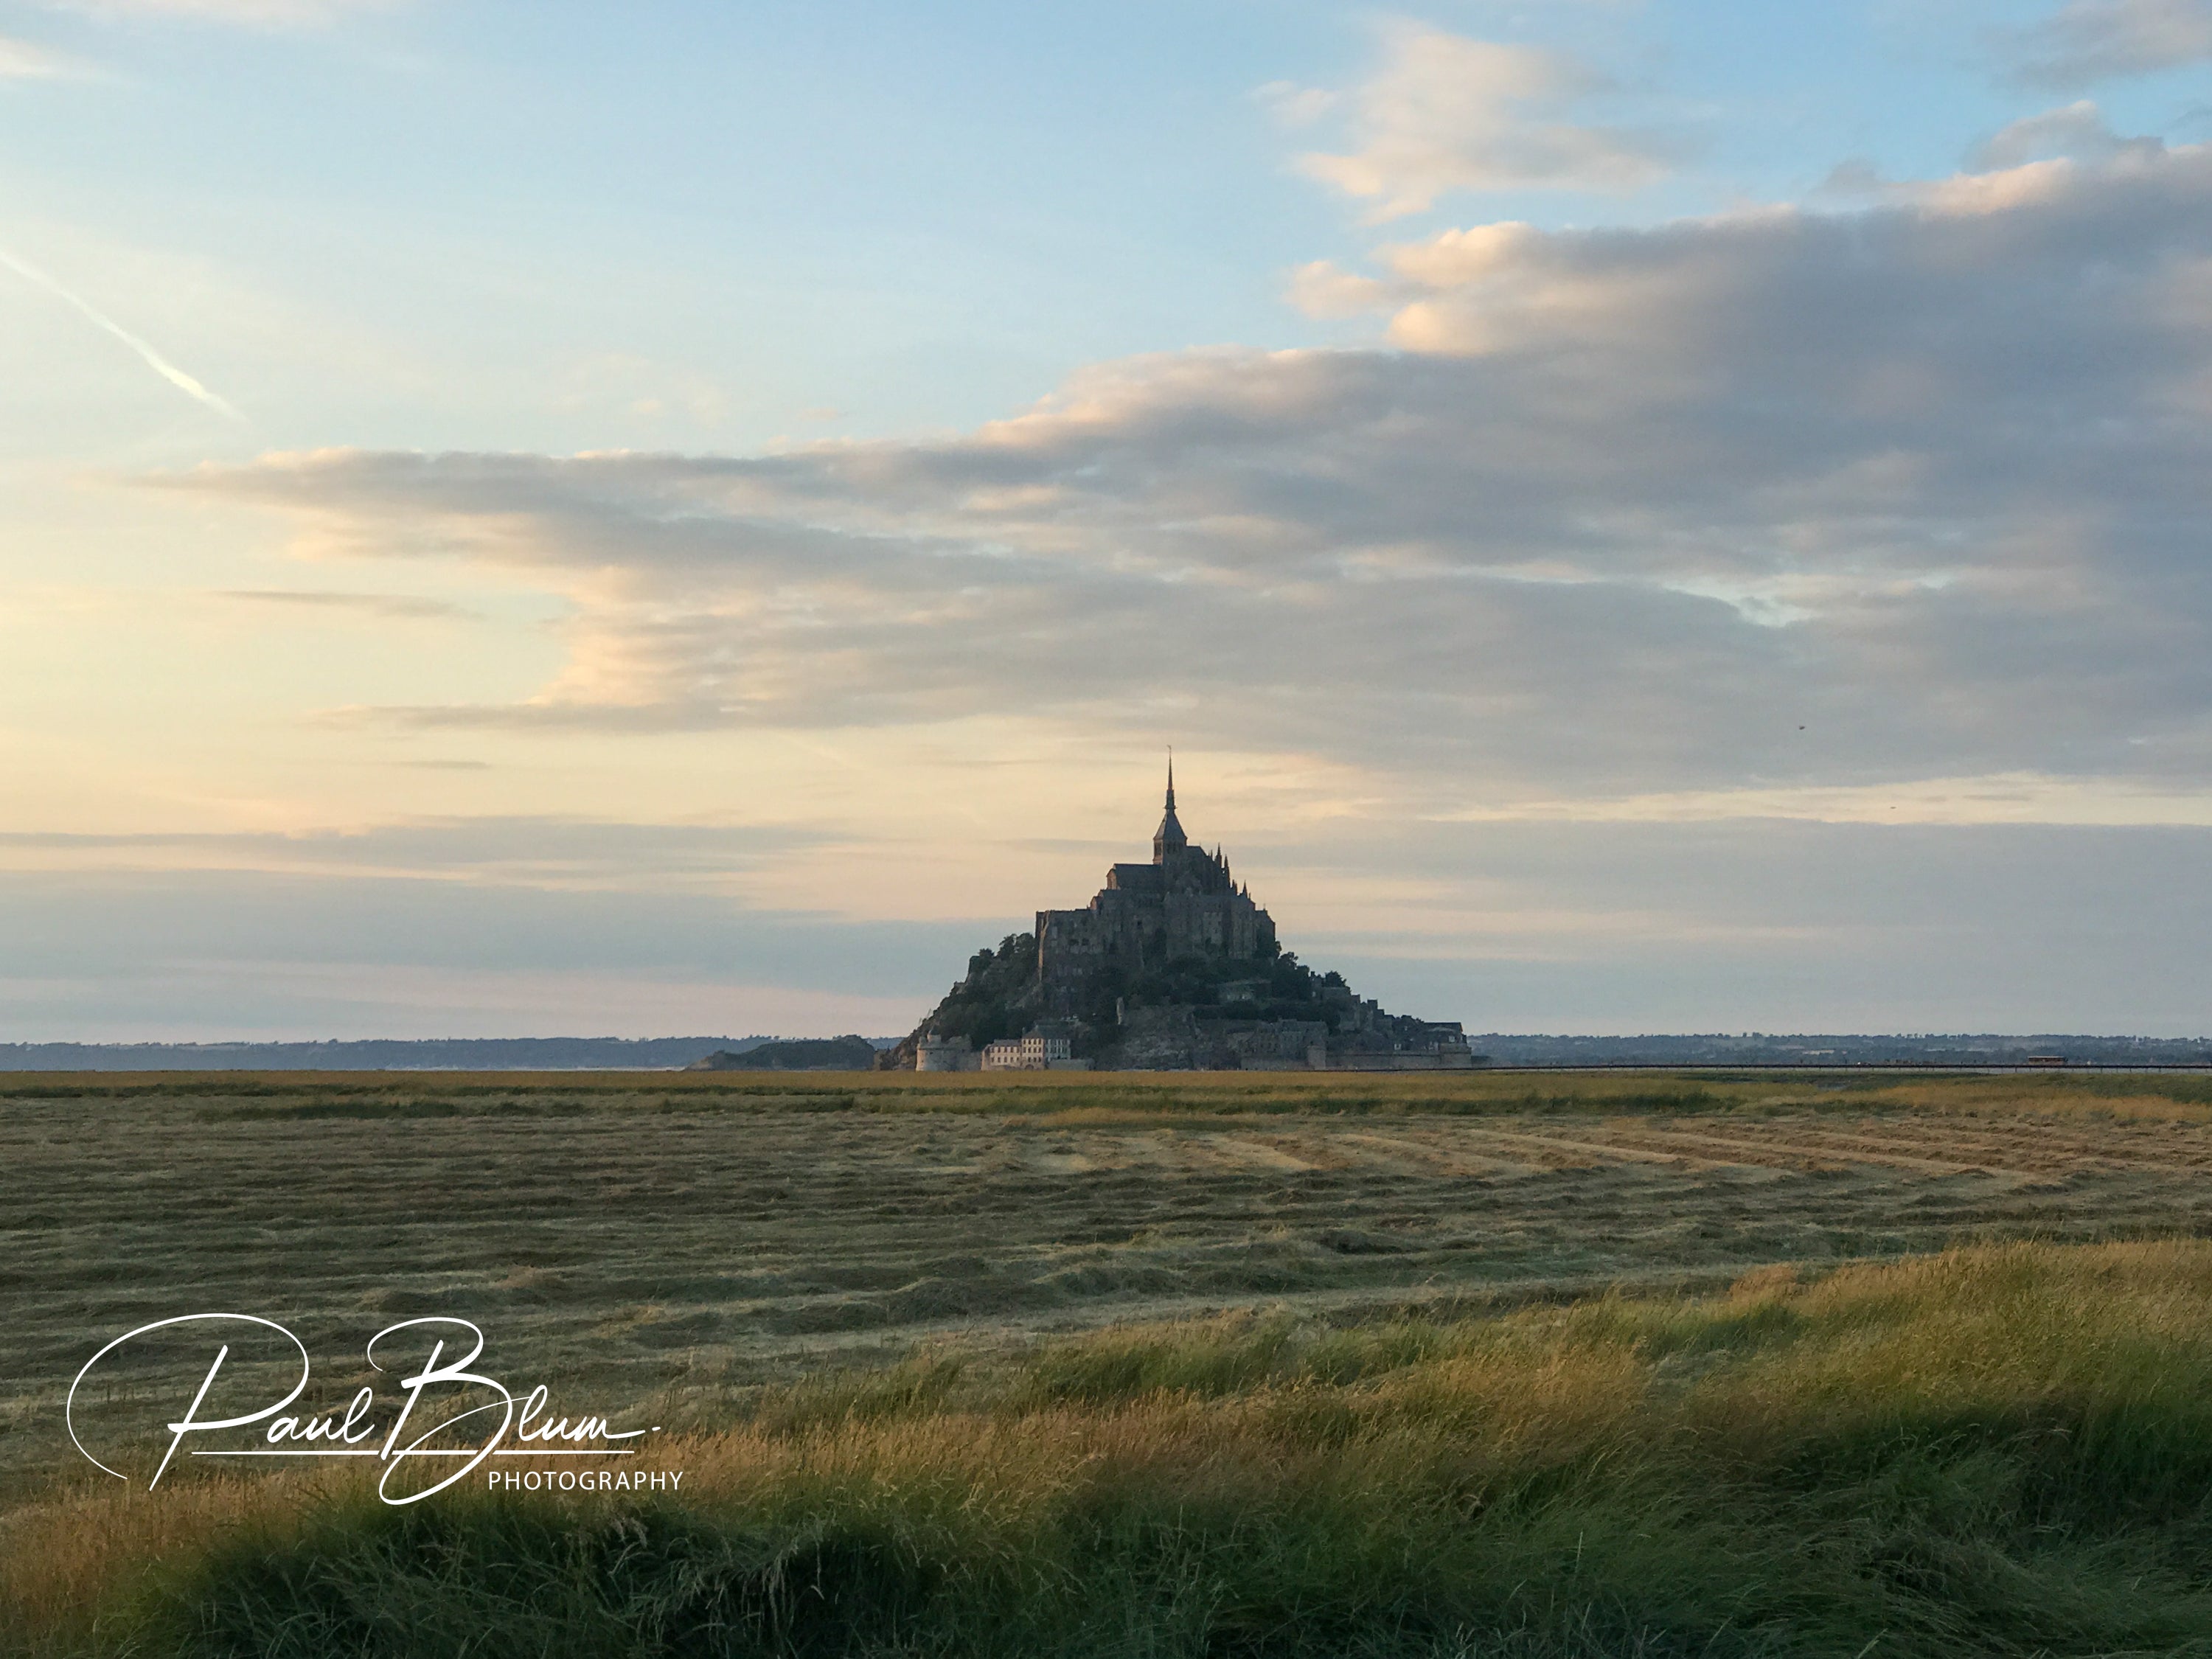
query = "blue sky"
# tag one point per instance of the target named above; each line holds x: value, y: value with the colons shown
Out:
x: 922, y: 217
x: 1461, y: 430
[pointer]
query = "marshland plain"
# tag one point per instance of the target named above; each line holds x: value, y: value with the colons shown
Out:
x: 683, y: 1239
x: 1198, y: 1364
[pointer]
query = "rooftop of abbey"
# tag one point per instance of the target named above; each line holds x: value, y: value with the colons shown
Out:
x: 1171, y: 966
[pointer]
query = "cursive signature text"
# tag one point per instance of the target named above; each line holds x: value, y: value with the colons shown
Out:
x: 498, y: 1424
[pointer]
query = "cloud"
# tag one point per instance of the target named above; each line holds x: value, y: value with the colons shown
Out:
x: 1754, y: 925
x: 1722, y: 505
x: 380, y: 606
x: 1321, y: 289
x: 1513, y: 926
x: 1295, y: 106
x: 1446, y: 113
x: 2089, y: 40
x: 500, y: 851
x: 2077, y: 132
x: 247, y: 953
x: 251, y: 14
x: 154, y: 359
x: 21, y: 61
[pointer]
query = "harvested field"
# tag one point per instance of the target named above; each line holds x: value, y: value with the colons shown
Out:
x: 685, y: 1239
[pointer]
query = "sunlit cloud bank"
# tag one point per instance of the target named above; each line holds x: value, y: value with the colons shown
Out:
x: 1774, y: 500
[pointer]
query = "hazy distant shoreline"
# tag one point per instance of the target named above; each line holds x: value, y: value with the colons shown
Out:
x: 375, y: 1054
x: 651, y: 1053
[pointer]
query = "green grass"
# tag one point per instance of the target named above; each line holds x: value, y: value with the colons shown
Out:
x: 2002, y: 1451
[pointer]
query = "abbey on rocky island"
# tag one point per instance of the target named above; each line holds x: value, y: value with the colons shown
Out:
x: 1171, y: 966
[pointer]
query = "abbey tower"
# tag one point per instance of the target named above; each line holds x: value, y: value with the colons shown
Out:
x: 1184, y: 904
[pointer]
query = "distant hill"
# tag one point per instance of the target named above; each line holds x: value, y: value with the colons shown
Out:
x: 844, y: 1053
x: 449, y: 1053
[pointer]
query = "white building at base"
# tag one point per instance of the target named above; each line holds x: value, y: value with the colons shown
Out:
x: 1046, y: 1047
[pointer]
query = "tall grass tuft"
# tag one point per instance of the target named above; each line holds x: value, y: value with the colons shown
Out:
x: 2002, y: 1451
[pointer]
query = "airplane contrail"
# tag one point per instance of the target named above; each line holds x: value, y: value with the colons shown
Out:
x: 154, y: 359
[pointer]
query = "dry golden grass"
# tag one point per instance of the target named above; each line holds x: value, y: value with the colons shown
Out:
x: 2003, y: 1451
x: 61, y: 1553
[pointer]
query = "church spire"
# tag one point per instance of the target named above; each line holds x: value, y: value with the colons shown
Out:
x: 1170, y: 837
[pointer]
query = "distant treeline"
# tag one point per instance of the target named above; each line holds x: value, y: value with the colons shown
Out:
x: 450, y: 1053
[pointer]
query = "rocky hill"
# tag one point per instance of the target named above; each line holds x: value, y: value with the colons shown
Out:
x: 1193, y: 1013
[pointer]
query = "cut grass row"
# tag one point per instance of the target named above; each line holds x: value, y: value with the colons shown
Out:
x: 2002, y: 1451
x: 1101, y: 1097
